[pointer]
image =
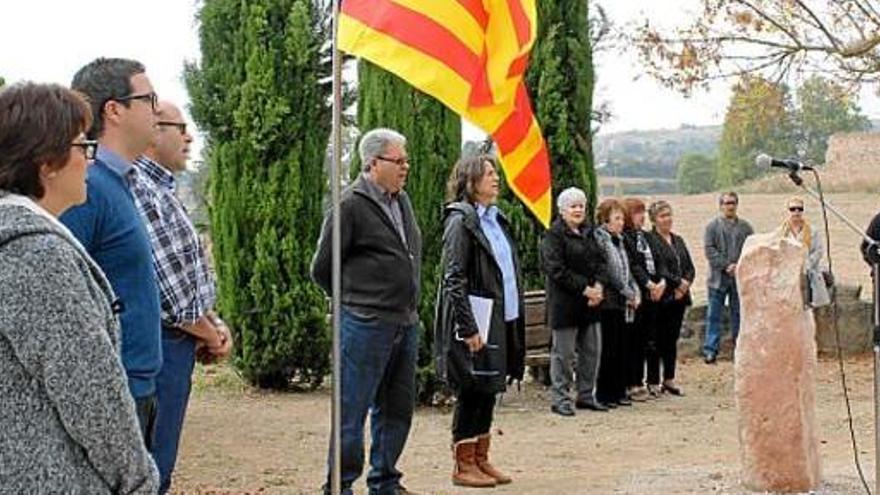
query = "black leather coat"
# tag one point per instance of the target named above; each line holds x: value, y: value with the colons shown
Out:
x: 468, y: 267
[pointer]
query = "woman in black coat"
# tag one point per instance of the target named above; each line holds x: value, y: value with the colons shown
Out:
x: 575, y: 268
x: 675, y: 266
x: 479, y: 270
x: 644, y: 270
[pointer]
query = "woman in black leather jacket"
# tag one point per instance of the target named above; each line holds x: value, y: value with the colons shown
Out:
x: 480, y: 287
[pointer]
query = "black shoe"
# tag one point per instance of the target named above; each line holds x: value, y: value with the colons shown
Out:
x: 564, y: 410
x: 673, y: 389
x: 401, y: 490
x: 710, y: 358
x: 610, y: 405
x: 623, y: 401
x: 591, y: 405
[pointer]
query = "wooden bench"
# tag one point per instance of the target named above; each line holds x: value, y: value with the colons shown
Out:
x: 538, y: 336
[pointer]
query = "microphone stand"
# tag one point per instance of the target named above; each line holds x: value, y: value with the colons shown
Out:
x: 873, y: 250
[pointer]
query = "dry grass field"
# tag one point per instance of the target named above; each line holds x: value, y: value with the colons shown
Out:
x: 765, y: 212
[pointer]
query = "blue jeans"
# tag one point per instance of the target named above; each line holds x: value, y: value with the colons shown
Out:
x: 717, y: 297
x: 172, y: 389
x: 379, y: 377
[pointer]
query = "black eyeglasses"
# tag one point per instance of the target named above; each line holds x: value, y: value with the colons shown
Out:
x: 181, y: 126
x: 89, y: 148
x: 729, y: 203
x: 397, y: 161
x: 795, y: 208
x: 152, y: 97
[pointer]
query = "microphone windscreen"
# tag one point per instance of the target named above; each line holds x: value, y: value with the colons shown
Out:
x: 763, y: 161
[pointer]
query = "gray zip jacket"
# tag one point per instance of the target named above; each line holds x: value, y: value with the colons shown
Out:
x: 67, y: 421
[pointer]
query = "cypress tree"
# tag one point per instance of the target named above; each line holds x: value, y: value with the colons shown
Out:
x: 433, y: 144
x: 257, y: 96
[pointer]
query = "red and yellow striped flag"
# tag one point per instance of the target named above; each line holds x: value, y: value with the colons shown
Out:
x: 471, y: 55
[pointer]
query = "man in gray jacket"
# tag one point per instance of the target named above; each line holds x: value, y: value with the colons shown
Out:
x: 381, y: 262
x: 723, y: 242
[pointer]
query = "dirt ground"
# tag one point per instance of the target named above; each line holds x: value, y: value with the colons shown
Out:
x: 237, y: 440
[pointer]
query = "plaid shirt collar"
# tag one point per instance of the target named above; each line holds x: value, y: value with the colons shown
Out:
x: 159, y: 174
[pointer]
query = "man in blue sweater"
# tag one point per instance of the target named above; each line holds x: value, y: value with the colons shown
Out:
x: 109, y: 224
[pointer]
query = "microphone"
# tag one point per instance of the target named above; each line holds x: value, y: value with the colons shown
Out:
x: 764, y: 161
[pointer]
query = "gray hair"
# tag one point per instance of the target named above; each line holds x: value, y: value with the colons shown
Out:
x: 374, y: 143
x: 569, y: 197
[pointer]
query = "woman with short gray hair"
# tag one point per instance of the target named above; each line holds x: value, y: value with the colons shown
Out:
x: 575, y: 268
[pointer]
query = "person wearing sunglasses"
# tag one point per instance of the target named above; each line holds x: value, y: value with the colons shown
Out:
x: 723, y: 242
x: 109, y: 224
x: 68, y: 420
x: 797, y: 228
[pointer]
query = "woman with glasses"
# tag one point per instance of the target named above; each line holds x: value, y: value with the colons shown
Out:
x: 480, y: 327
x: 67, y: 418
x: 797, y: 228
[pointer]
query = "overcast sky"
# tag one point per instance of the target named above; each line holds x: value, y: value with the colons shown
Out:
x: 47, y: 41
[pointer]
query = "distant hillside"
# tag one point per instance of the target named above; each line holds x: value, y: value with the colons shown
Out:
x: 651, y: 154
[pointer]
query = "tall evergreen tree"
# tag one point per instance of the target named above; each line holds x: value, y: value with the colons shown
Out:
x: 560, y: 80
x: 433, y: 144
x: 256, y: 94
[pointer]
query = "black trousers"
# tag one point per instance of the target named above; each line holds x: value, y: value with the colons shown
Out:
x: 615, y: 364
x: 473, y: 414
x: 642, y: 337
x: 669, y: 318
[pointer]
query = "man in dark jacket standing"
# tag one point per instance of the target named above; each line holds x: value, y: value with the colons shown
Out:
x: 381, y: 256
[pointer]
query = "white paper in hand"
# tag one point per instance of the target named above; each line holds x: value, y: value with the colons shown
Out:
x: 482, y: 310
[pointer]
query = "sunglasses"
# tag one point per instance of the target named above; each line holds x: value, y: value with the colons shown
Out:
x: 729, y: 203
x: 89, y: 148
x: 181, y: 126
x: 795, y: 208
x: 151, y: 97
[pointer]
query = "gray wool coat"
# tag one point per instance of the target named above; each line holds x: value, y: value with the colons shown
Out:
x: 67, y: 421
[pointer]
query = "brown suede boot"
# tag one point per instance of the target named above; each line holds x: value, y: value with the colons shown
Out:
x: 466, y: 472
x: 482, y: 459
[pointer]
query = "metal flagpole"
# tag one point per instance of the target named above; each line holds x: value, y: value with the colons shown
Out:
x: 336, y: 280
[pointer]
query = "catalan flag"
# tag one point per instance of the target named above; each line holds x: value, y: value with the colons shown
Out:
x: 471, y: 55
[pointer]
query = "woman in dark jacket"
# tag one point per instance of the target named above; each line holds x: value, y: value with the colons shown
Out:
x: 479, y: 332
x: 652, y: 286
x: 675, y: 266
x: 575, y: 268
x: 621, y: 300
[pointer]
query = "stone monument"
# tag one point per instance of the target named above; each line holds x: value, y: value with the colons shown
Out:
x: 775, y: 369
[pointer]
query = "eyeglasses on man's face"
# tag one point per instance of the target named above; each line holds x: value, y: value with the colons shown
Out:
x: 397, y: 161
x: 151, y: 97
x: 181, y: 126
x: 796, y: 208
x: 88, y: 148
x: 729, y: 203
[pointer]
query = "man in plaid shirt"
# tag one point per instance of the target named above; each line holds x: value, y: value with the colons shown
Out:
x: 186, y: 284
